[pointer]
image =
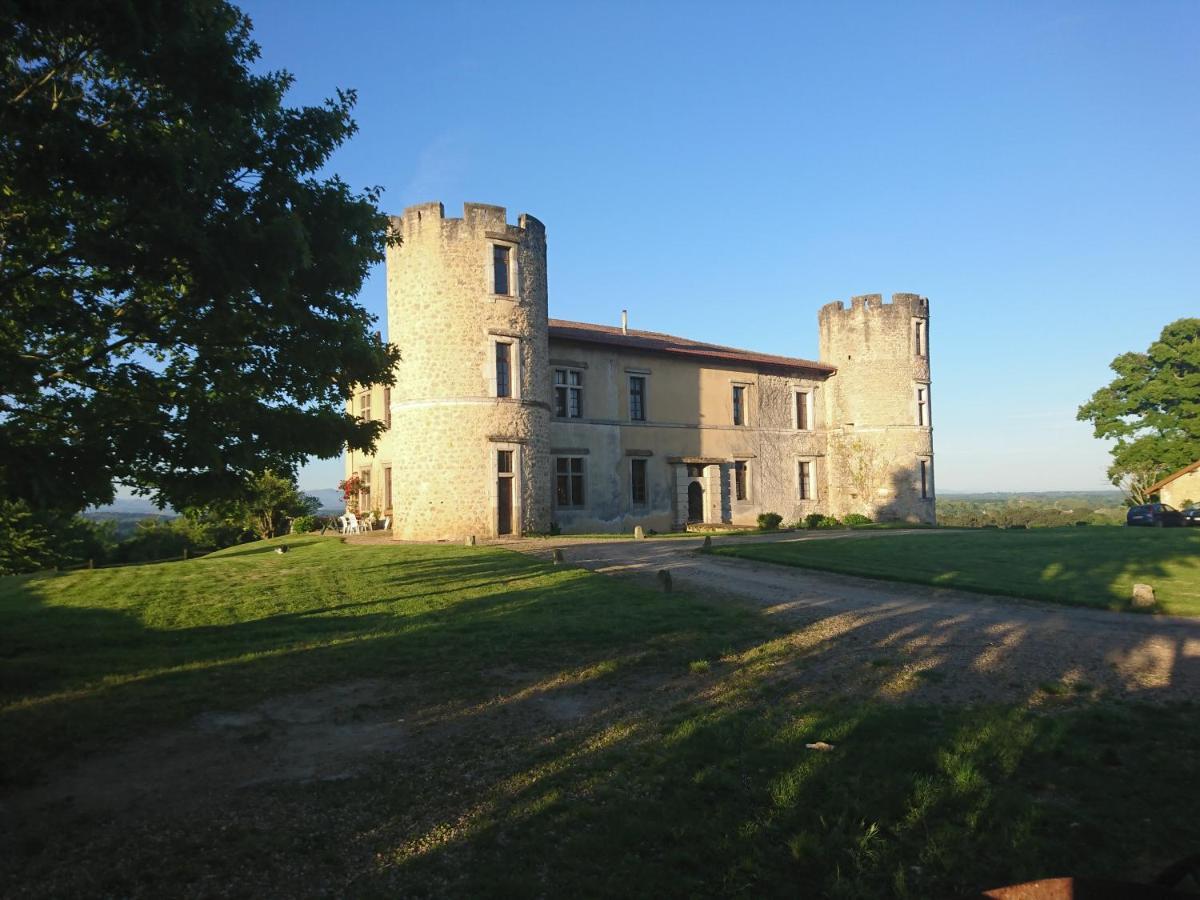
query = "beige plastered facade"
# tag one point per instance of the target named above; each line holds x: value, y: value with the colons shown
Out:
x: 1182, y: 491
x: 866, y: 445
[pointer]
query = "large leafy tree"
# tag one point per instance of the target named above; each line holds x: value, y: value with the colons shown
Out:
x: 1151, y: 409
x: 177, y: 279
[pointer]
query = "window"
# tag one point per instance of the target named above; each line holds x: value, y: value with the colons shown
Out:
x: 804, y: 476
x: 920, y: 337
x: 501, y: 269
x: 923, y: 405
x: 568, y: 488
x: 364, y: 491
x: 739, y: 404
x: 387, y: 411
x: 387, y: 487
x: 503, y: 369
x: 568, y: 393
x: 637, y: 398
x: 739, y: 480
x: 695, y: 470
x: 637, y: 481
x: 924, y: 479
x: 364, y: 406
x: 802, y: 417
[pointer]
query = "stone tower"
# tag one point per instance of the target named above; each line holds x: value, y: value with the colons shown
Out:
x: 470, y: 410
x: 880, y: 459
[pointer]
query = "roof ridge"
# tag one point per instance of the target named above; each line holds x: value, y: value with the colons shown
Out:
x: 616, y: 330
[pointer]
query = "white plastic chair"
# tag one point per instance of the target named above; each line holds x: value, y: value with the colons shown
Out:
x: 352, y: 526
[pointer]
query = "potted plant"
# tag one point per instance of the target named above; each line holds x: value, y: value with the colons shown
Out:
x: 350, y: 489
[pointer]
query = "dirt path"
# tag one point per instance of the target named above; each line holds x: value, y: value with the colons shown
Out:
x: 906, y: 641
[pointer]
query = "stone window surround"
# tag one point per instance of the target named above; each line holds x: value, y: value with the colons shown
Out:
x: 568, y: 387
x: 924, y: 420
x: 745, y: 386
x: 749, y: 498
x: 643, y: 374
x: 927, y: 460
x: 514, y: 364
x: 633, y: 461
x: 813, y: 493
x: 571, y: 453
x: 514, y: 293
x: 493, y: 448
x: 811, y: 402
x: 919, y: 338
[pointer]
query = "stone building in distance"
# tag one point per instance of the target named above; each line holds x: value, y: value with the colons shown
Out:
x: 505, y: 421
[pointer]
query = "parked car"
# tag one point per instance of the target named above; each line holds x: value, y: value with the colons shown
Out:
x: 1156, y: 514
x: 1191, y: 516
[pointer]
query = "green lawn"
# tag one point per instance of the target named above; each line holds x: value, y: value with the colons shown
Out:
x: 1078, y: 566
x: 688, y: 774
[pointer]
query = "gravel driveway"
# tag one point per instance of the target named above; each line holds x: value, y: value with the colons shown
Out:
x: 854, y: 635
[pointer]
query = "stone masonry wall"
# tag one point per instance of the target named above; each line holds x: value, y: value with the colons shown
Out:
x: 875, y: 444
x: 444, y: 316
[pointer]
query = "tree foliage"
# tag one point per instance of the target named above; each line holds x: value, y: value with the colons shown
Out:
x: 177, y: 280
x: 1151, y: 409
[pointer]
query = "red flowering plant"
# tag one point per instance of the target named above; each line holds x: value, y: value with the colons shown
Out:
x: 350, y: 489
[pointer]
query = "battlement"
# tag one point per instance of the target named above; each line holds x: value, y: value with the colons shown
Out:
x: 477, y: 218
x: 910, y: 304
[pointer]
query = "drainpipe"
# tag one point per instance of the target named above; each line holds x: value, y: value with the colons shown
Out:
x: 624, y: 321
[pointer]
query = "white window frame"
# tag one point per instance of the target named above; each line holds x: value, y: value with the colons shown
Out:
x: 922, y: 409
x: 809, y: 403
x: 514, y: 366
x: 554, y: 386
x: 513, y: 271
x: 812, y: 478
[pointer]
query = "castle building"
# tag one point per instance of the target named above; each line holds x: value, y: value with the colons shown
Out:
x: 504, y: 421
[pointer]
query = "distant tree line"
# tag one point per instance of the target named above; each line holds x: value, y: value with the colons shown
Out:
x: 271, y: 505
x: 1029, y: 513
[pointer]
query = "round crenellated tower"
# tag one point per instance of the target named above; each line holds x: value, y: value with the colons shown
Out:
x: 467, y: 307
x: 878, y: 407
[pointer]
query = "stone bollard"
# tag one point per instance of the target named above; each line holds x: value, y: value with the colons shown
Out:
x: 558, y: 556
x: 1143, y: 596
x: 638, y: 533
x: 706, y: 547
x: 664, y: 578
x: 470, y: 542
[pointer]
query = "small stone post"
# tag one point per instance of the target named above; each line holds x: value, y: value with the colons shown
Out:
x: 638, y: 533
x: 470, y: 542
x: 1143, y: 596
x: 664, y: 578
x: 558, y: 556
x: 706, y: 547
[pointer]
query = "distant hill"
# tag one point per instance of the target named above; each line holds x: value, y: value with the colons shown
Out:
x: 1100, y: 498
x: 330, y: 498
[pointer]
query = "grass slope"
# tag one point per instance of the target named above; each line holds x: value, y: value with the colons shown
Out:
x: 708, y: 791
x: 1077, y: 566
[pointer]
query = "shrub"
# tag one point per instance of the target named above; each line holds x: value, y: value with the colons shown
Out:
x: 813, y: 520
x: 830, y: 522
x: 856, y: 519
x: 769, y: 521
x: 305, y: 524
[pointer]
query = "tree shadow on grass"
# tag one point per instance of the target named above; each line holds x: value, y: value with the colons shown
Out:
x: 708, y: 789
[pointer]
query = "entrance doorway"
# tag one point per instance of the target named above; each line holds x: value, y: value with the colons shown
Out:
x: 504, y: 492
x: 695, y: 502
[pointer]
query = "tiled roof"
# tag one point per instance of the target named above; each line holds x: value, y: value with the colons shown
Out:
x: 1155, y: 488
x: 655, y: 342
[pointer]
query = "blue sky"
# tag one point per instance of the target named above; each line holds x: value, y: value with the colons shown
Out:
x: 722, y: 170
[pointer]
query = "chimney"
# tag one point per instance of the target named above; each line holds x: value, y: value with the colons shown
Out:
x: 624, y: 321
